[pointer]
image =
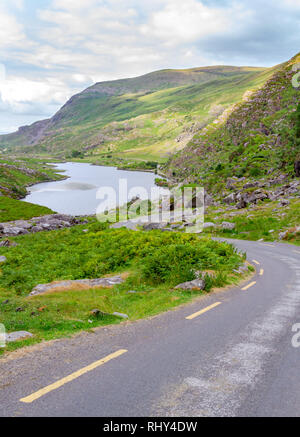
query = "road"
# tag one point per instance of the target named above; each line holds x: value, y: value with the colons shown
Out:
x: 234, y: 358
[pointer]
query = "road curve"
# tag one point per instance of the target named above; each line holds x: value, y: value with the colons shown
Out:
x: 234, y: 357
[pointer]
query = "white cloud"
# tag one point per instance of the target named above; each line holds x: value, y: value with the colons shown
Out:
x: 11, y: 32
x: 62, y: 46
x: 185, y: 21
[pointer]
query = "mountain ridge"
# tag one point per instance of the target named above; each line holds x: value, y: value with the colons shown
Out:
x: 90, y: 119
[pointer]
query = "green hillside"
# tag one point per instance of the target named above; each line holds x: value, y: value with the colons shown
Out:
x: 258, y: 140
x: 144, y: 118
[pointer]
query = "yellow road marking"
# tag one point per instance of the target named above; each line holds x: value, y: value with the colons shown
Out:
x: 75, y: 375
x: 261, y: 272
x: 256, y: 262
x: 193, y: 316
x: 248, y: 286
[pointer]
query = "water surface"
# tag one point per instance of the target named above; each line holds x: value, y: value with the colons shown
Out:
x: 77, y: 195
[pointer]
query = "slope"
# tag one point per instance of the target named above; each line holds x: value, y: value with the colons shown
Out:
x: 142, y: 118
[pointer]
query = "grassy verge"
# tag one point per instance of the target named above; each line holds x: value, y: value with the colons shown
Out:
x: 264, y: 221
x: 13, y: 209
x: 155, y: 262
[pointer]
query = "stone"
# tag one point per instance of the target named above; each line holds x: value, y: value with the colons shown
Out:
x: 17, y: 335
x: 209, y: 225
x: 196, y: 284
x: 96, y: 312
x: 80, y: 284
x: 14, y: 231
x: 3, y: 259
x: 230, y: 198
x: 123, y: 316
x: 132, y: 292
x: 19, y: 309
x: 37, y: 224
x: 7, y: 243
x: 153, y: 226
x: 284, y: 202
x: 228, y: 226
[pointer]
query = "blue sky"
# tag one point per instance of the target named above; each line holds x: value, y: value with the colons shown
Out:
x: 51, y: 49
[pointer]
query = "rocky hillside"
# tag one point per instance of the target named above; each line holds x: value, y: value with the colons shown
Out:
x: 144, y: 118
x: 252, y: 150
x: 17, y: 174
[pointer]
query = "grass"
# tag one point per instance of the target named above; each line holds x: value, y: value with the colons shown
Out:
x: 16, y: 174
x: 258, y: 140
x: 264, y: 221
x: 146, y: 119
x: 154, y: 262
x: 12, y: 209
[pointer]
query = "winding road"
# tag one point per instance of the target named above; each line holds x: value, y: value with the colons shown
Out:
x: 227, y: 354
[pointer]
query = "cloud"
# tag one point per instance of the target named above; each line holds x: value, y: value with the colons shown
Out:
x: 181, y: 22
x: 55, y: 48
x: 11, y: 31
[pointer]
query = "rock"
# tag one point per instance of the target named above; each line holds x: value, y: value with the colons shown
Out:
x: 196, y: 284
x: 132, y: 292
x: 37, y: 224
x: 96, y: 313
x: 228, y: 226
x: 14, y: 231
x: 209, y: 225
x: 7, y: 243
x: 284, y: 202
x: 3, y: 259
x: 18, y: 335
x: 80, y: 284
x: 251, y: 185
x: 123, y: 316
x: 153, y: 226
x: 283, y: 235
x: 242, y: 269
x: 297, y: 168
x: 230, y: 198
x: 19, y: 309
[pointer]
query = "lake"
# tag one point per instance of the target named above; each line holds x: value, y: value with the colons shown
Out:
x: 78, y: 194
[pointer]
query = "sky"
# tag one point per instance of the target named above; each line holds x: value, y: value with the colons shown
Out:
x: 52, y: 49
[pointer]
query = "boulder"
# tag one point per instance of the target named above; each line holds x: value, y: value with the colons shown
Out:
x: 228, y: 226
x: 209, y: 225
x: 18, y: 335
x: 196, y: 284
x: 14, y: 230
x: 153, y: 226
x: 79, y: 284
x: 283, y: 235
x: 231, y: 198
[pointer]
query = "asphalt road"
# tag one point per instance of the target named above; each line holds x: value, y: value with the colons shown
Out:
x: 235, y: 359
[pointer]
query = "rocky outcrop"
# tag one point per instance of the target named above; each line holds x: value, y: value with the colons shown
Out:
x: 197, y: 284
x: 80, y: 284
x: 38, y: 224
x: 248, y: 195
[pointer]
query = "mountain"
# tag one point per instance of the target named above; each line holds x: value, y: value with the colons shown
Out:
x: 143, y: 118
x: 259, y: 138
